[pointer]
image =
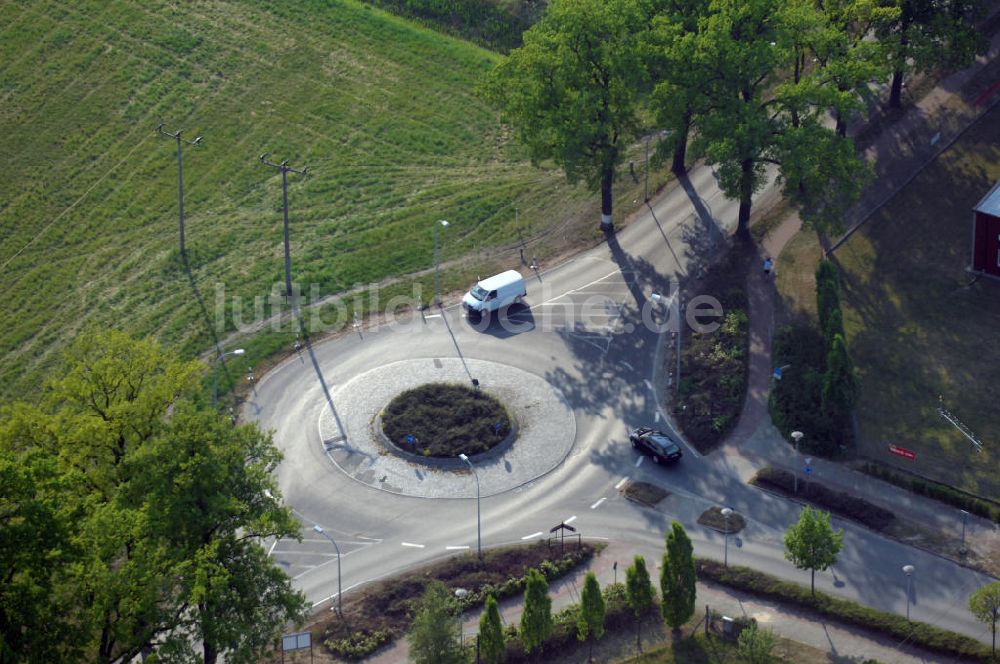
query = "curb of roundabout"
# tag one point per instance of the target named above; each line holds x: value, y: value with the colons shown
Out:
x: 545, y: 430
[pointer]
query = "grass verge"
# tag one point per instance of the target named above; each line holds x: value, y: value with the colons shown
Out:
x: 889, y: 624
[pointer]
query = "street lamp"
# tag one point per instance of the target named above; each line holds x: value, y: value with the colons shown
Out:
x: 479, y: 535
x: 965, y: 519
x: 440, y: 223
x: 797, y: 436
x: 319, y: 529
x: 726, y: 512
x: 908, y: 571
x: 215, y: 373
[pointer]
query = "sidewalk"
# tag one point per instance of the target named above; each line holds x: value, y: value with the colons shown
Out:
x: 899, y: 153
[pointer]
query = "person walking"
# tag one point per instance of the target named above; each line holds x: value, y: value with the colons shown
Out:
x: 768, y: 264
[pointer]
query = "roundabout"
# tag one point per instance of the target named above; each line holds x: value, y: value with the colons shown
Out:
x: 545, y: 430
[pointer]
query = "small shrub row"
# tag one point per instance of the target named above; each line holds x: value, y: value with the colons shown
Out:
x: 935, y: 490
x: 918, y: 633
x: 358, y: 644
x: 515, y: 585
x: 838, y: 502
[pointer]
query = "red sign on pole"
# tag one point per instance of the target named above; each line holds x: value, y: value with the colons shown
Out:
x: 903, y: 452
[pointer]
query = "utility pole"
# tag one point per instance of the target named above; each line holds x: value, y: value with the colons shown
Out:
x: 285, y: 169
x: 180, y: 175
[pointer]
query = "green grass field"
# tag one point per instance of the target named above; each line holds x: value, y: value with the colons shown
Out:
x: 916, y: 330
x: 384, y: 114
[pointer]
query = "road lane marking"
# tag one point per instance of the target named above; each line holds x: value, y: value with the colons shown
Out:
x: 271, y: 550
x: 570, y: 520
x: 597, y: 504
x: 649, y: 385
x: 628, y: 366
x: 532, y: 535
x: 433, y: 316
x: 622, y: 483
x: 411, y: 544
x: 574, y: 290
x: 638, y: 462
x: 456, y: 548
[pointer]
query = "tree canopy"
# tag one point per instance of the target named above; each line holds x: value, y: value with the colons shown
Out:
x: 811, y: 543
x: 155, y: 507
x: 677, y: 578
x: 639, y: 594
x: 536, y: 621
x: 434, y: 633
x: 571, y: 91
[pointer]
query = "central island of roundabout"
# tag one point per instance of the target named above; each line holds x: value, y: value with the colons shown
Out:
x: 541, y: 434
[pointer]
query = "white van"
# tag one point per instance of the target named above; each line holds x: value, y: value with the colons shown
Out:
x: 495, y: 293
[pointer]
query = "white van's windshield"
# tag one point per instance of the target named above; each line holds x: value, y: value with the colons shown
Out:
x: 479, y: 292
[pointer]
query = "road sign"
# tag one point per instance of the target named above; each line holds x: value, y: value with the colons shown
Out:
x: 563, y: 526
x: 809, y: 467
x: 903, y: 452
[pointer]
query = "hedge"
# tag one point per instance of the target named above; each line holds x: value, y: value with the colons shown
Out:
x: 935, y: 490
x: 889, y: 624
x: 838, y: 502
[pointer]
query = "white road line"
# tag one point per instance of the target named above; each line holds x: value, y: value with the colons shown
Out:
x: 433, y: 316
x: 456, y: 548
x: 411, y: 544
x: 532, y: 535
x: 271, y: 550
x: 597, y: 504
x: 656, y: 416
x: 622, y: 483
x: 638, y: 462
x: 570, y: 520
x: 628, y: 366
x: 648, y: 384
x: 570, y: 292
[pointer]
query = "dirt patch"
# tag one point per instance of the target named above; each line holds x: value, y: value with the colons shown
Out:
x: 644, y: 493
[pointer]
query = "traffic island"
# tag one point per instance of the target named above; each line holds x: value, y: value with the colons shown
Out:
x: 714, y: 518
x: 445, y: 420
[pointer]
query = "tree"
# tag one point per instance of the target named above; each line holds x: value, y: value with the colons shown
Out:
x: 434, y: 633
x: 165, y: 503
x: 927, y: 34
x: 679, y: 95
x: 754, y: 645
x: 590, y: 621
x: 639, y: 594
x: 571, y: 91
x: 677, y: 578
x: 985, y: 606
x: 840, y: 383
x: 756, y: 120
x: 491, y: 640
x: 812, y: 543
x: 536, y: 621
x: 36, y: 548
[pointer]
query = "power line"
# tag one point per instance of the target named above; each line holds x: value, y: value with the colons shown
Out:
x: 285, y: 169
x: 180, y: 175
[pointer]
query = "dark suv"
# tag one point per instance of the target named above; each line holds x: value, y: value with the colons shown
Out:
x: 656, y: 444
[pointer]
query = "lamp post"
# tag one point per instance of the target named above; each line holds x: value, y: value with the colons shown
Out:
x: 215, y: 373
x: 479, y: 535
x: 180, y: 175
x: 440, y: 223
x: 908, y: 571
x: 319, y: 529
x: 796, y: 436
x: 285, y: 170
x: 965, y: 519
x: 726, y: 512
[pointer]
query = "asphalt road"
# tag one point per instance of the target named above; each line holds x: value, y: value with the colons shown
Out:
x: 583, y: 333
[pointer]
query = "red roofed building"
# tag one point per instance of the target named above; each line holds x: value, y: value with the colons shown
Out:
x: 986, y: 234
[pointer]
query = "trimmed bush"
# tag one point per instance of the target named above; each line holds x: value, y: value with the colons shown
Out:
x: 889, y: 624
x: 837, y: 502
x: 445, y: 420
